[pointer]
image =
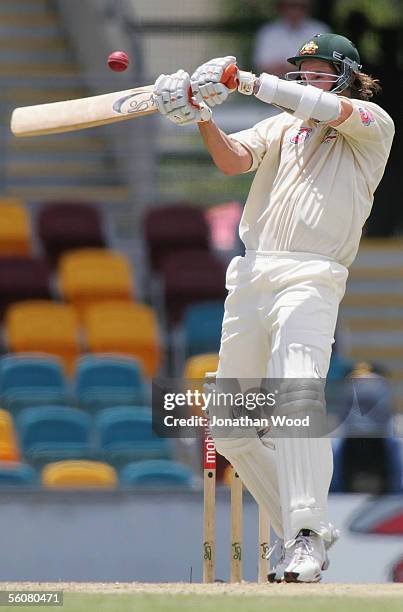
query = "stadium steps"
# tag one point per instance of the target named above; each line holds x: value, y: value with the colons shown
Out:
x: 36, y: 66
x: 372, y: 310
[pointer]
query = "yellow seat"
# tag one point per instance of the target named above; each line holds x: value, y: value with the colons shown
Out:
x: 125, y: 328
x: 9, y: 450
x: 89, y: 276
x: 15, y: 228
x: 46, y: 327
x: 79, y: 475
x: 198, y: 365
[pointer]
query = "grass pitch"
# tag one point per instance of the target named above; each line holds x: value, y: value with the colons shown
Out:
x: 244, y: 597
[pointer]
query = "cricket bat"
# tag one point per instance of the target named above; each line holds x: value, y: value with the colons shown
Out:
x: 72, y: 115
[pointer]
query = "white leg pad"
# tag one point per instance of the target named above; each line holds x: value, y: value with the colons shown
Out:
x: 256, y: 466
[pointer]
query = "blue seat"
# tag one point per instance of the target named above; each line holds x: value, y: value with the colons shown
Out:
x: 29, y: 380
x: 55, y: 433
x: 125, y: 434
x: 202, y: 327
x: 103, y: 381
x: 157, y: 473
x: 17, y: 474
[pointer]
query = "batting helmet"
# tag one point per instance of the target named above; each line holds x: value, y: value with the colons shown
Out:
x: 335, y: 49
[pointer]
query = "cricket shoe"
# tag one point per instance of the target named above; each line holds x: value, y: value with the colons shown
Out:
x: 276, y: 574
x: 286, y: 554
x: 309, y: 558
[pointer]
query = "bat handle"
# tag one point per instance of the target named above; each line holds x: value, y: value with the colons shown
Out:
x: 230, y: 77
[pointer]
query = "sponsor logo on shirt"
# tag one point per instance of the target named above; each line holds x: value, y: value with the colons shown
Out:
x: 366, y: 116
x: 309, y: 48
x: 302, y: 135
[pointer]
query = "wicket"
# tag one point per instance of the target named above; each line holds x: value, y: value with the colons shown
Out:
x: 209, y: 544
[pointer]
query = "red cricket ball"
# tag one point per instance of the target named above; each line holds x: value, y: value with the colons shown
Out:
x: 118, y: 61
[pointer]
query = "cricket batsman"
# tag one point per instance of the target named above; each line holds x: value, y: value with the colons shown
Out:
x: 317, y: 165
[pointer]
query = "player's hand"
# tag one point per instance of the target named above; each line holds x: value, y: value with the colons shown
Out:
x: 171, y: 95
x: 205, y: 81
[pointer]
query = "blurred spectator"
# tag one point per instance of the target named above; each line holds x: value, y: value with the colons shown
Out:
x: 368, y: 402
x: 367, y: 456
x: 281, y: 38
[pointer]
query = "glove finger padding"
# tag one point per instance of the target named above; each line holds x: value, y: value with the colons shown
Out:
x: 210, y: 73
x: 213, y: 93
x: 171, y: 98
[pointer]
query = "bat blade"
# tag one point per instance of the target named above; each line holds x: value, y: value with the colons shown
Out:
x: 72, y: 115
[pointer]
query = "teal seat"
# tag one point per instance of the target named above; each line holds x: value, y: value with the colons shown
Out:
x: 55, y: 433
x: 125, y: 434
x: 156, y: 474
x: 202, y: 327
x: 103, y: 381
x: 30, y: 380
x: 17, y: 475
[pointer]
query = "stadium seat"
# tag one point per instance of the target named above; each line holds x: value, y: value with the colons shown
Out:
x: 156, y: 474
x: 17, y: 474
x: 23, y: 278
x: 125, y: 434
x: 45, y: 327
x: 79, y: 475
x: 63, y: 226
x: 200, y: 276
x: 32, y: 379
x: 124, y: 328
x: 107, y: 380
x: 15, y: 228
x: 53, y: 433
x: 198, y: 365
x: 174, y: 228
x: 202, y: 327
x: 89, y: 276
x: 9, y: 450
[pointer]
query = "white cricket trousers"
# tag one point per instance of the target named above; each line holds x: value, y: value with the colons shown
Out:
x: 279, y: 322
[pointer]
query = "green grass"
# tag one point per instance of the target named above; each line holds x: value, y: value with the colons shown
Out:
x: 77, y: 602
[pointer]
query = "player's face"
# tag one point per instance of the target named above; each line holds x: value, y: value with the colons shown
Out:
x: 314, y: 71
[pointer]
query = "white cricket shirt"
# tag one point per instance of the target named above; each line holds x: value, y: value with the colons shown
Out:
x: 314, y: 184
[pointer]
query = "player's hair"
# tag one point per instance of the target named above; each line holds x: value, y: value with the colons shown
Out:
x: 365, y: 86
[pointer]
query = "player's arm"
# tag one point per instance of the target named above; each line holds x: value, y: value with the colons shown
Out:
x: 171, y: 94
x: 303, y: 102
x: 346, y: 109
x: 230, y: 156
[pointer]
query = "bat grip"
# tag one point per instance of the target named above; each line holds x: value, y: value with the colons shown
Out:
x: 230, y: 77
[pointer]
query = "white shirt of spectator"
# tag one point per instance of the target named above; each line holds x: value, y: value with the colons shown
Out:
x: 277, y: 40
x: 314, y: 185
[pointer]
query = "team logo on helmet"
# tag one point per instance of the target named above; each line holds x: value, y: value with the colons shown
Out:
x: 309, y: 48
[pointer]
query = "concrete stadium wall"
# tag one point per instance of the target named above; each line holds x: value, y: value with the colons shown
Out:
x: 153, y: 537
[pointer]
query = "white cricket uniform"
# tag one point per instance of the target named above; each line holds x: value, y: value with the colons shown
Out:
x: 302, y: 223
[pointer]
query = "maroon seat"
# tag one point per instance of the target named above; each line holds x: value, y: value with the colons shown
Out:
x: 63, y: 226
x: 196, y: 277
x: 172, y: 228
x: 23, y: 278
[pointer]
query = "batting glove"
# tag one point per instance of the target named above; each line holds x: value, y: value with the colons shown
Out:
x: 205, y: 81
x: 171, y: 95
